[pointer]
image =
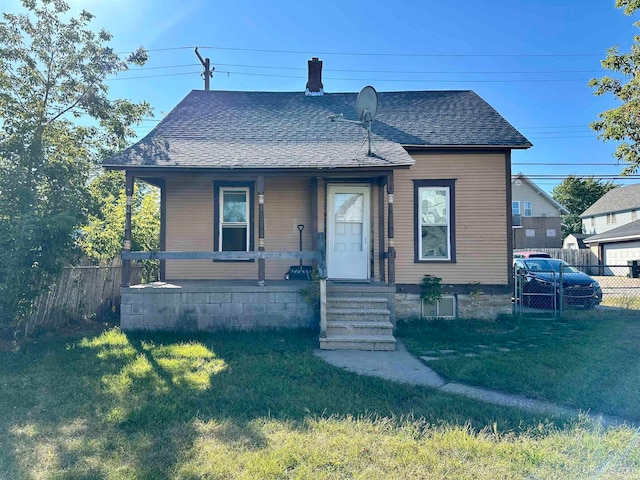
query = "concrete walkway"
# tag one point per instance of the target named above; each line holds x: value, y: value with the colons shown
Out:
x: 401, y: 366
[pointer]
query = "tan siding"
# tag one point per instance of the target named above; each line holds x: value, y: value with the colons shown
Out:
x: 481, y: 218
x: 287, y: 204
x: 190, y: 226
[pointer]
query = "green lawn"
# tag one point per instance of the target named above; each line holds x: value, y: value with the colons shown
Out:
x: 589, y: 360
x: 261, y: 405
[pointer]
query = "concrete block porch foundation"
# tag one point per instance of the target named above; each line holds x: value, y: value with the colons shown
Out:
x: 206, y: 305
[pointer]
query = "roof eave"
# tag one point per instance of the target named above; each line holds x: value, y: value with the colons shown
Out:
x: 466, y: 147
x: 270, y: 168
x: 625, y: 238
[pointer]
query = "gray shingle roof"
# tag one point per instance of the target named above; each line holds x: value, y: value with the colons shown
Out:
x: 218, y: 129
x: 626, y: 231
x: 617, y: 200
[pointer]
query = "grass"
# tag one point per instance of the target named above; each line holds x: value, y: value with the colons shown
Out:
x: 260, y: 405
x: 622, y: 301
x: 588, y: 360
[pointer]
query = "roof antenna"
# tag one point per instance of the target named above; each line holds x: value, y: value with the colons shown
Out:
x: 366, y: 107
x: 208, y: 70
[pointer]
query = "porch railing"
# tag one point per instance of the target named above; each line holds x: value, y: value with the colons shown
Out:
x: 318, y: 256
x: 261, y: 256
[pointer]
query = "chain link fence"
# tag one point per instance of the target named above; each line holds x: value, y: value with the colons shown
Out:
x: 537, y: 286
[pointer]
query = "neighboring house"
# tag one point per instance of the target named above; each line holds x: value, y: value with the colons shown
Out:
x: 613, y: 228
x: 617, y: 248
x: 245, y: 175
x: 537, y: 216
x: 615, y: 208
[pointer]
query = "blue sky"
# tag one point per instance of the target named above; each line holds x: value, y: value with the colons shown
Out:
x: 531, y: 60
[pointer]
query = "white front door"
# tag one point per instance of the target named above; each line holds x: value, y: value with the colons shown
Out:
x: 348, y: 232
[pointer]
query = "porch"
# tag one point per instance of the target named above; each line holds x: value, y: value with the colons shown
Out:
x: 351, y: 215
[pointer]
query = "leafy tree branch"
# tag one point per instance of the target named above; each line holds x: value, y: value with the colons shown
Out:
x: 56, y: 123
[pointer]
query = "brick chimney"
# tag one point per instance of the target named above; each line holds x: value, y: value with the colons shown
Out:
x: 314, y: 85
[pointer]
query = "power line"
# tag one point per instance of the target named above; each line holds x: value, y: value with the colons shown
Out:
x: 115, y: 79
x: 400, y: 54
x: 421, y: 80
x: 393, y: 80
x: 372, y: 54
x: 347, y: 70
x: 566, y: 163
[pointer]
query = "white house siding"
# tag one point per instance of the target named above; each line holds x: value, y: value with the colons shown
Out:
x: 540, y: 206
x: 480, y: 218
x: 601, y: 225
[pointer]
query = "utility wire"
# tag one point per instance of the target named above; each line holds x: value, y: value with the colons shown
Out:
x: 400, y: 54
x: 369, y: 54
x: 409, y: 72
x: 528, y: 80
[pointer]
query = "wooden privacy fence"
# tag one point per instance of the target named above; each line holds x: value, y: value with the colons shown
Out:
x: 582, y: 256
x: 81, y: 293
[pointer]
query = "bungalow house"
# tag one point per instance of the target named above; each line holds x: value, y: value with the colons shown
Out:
x: 259, y: 187
x: 537, y: 217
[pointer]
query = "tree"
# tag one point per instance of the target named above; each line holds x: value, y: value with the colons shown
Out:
x: 102, y: 237
x: 56, y: 122
x: 576, y: 195
x: 622, y: 123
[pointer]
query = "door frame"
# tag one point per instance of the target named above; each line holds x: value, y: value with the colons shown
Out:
x: 364, y: 188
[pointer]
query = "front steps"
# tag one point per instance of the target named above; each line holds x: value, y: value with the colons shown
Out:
x: 358, y: 318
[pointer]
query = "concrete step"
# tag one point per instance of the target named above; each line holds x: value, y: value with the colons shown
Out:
x: 358, y: 314
x: 359, y: 290
x: 357, y: 302
x: 358, y: 318
x: 359, y: 342
x: 358, y: 328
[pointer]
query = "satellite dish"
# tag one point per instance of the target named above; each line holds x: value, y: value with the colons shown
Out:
x: 367, y: 105
x: 366, y: 108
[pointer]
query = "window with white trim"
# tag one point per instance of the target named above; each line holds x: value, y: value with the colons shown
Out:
x: 234, y: 220
x: 515, y: 207
x: 528, y: 208
x: 233, y: 217
x: 434, y: 240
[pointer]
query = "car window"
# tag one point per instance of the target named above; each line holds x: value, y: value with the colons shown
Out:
x: 541, y: 265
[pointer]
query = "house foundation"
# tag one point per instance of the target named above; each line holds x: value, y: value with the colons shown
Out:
x: 244, y: 305
x: 211, y: 306
x: 482, y: 306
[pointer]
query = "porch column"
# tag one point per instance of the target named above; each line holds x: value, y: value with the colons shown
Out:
x: 391, y: 252
x: 126, y: 264
x: 314, y: 218
x: 261, y: 264
x: 320, y: 215
x: 163, y: 227
x: 381, y: 262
